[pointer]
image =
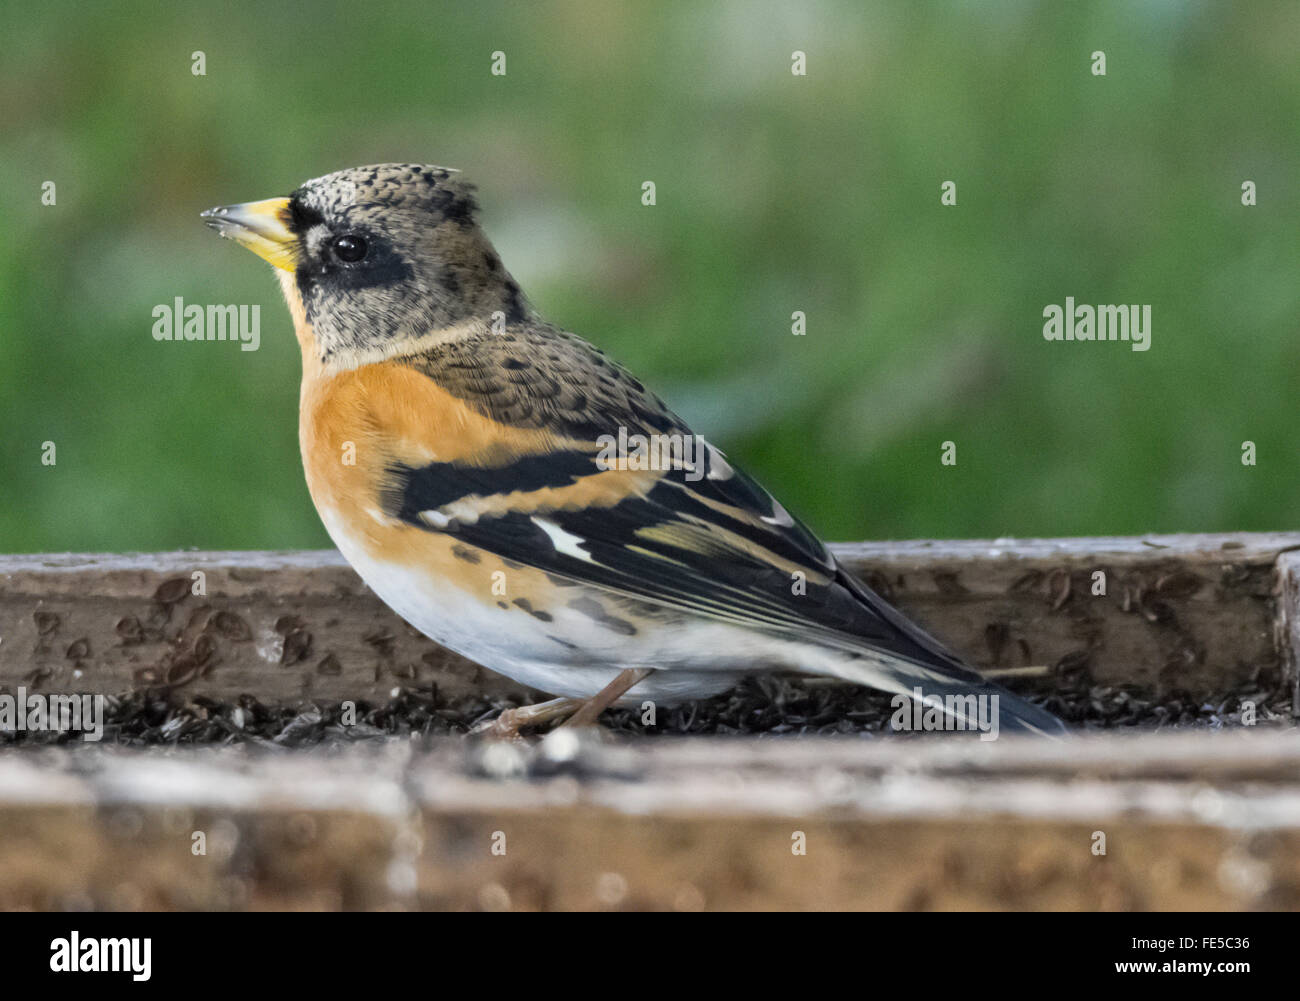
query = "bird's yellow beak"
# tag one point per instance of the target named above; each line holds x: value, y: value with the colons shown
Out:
x: 262, y: 227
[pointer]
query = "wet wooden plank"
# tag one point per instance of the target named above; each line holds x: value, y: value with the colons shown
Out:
x: 1287, y: 623
x: 284, y: 626
x: 1191, y: 612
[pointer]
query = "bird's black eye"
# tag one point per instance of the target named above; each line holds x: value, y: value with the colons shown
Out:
x: 350, y: 248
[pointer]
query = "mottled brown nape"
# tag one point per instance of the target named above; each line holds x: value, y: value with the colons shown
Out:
x: 534, y: 375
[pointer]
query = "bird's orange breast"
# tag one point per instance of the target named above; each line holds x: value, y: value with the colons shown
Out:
x: 357, y: 424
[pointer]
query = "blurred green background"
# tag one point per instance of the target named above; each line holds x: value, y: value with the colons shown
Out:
x: 776, y: 193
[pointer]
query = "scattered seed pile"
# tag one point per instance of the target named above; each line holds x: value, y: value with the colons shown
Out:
x: 758, y: 706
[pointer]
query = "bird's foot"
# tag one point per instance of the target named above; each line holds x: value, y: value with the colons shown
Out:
x: 580, y: 712
x: 510, y: 721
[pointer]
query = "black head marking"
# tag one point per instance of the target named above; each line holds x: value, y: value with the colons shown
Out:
x: 427, y: 265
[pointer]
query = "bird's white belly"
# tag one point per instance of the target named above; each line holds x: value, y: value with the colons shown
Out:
x: 571, y: 655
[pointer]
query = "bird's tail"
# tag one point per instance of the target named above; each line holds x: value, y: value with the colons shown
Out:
x: 942, y: 697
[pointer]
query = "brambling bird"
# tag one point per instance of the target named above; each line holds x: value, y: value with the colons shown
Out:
x: 472, y: 463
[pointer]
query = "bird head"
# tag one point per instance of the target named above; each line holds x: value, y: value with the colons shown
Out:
x: 377, y: 257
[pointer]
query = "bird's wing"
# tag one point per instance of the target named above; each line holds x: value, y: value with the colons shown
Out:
x: 700, y: 536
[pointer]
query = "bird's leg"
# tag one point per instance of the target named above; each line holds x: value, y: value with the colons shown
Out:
x: 508, y: 724
x: 582, y: 712
x: 591, y: 709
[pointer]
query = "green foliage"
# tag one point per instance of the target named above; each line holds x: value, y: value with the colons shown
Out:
x: 775, y: 193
